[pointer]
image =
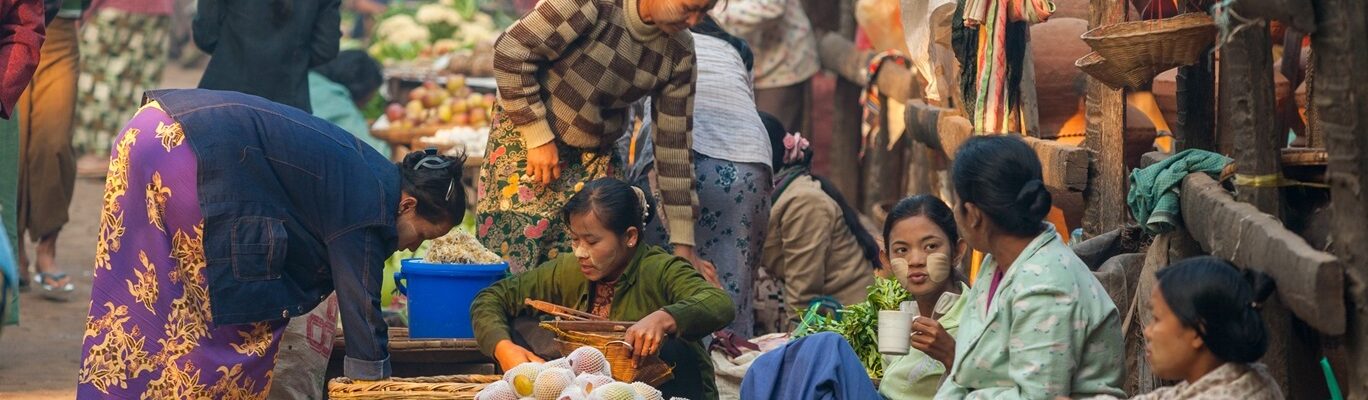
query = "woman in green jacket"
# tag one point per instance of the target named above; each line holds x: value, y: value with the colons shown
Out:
x: 611, y: 274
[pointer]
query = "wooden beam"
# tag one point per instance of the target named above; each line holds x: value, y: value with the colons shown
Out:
x: 1310, y: 282
x: 1106, y: 139
x: 1065, y: 167
x: 1341, y: 109
x: 1247, y: 115
x: 838, y: 55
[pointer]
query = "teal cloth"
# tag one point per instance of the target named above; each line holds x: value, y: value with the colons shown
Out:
x: 1153, y: 197
x: 9, y: 214
x: 332, y: 102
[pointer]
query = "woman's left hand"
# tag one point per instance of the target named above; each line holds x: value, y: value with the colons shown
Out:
x: 646, y: 335
x: 704, y: 267
x: 930, y: 337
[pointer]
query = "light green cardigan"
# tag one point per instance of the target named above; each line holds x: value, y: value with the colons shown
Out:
x: 1050, y: 331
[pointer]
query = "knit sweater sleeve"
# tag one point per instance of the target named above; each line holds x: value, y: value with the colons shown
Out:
x: 672, y: 111
x: 528, y: 46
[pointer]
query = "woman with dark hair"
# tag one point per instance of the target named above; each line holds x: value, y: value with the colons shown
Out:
x: 614, y: 275
x: 923, y: 246
x: 815, y: 244
x: 339, y: 90
x: 266, y: 47
x: 1042, y: 326
x: 731, y: 163
x: 1207, y: 333
x: 224, y: 216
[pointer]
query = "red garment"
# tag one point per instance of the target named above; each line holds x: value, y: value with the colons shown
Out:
x: 992, y: 288
x: 21, y: 37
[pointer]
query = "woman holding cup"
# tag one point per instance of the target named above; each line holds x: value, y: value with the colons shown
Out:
x: 923, y: 244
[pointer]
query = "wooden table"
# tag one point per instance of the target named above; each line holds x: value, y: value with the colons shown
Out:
x: 422, y: 357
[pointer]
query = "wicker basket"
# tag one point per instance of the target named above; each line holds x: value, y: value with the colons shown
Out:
x: 1164, y: 43
x: 651, y: 370
x: 450, y: 387
x: 1114, y: 75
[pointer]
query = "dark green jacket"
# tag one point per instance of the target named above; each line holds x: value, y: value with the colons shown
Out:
x: 653, y: 280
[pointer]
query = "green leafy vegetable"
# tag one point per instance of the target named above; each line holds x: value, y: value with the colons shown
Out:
x: 858, y: 323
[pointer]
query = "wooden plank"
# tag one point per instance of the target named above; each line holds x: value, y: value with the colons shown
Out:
x: 1247, y: 114
x: 838, y: 55
x: 1106, y: 139
x: 1065, y: 167
x: 1310, y: 282
x: 845, y: 135
x: 1341, y: 108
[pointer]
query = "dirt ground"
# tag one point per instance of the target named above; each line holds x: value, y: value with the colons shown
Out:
x: 40, y: 357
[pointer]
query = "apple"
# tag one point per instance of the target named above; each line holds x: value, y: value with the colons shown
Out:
x: 430, y: 85
x: 489, y: 100
x: 444, y: 113
x: 461, y: 119
x: 394, y: 112
x: 414, y: 109
x: 455, y: 83
x: 478, y: 116
x: 417, y: 93
x: 459, y: 107
x: 434, y: 98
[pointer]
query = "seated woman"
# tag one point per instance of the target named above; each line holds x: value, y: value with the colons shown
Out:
x: 923, y: 245
x: 1040, y: 326
x: 1207, y: 332
x: 815, y: 245
x: 611, y: 274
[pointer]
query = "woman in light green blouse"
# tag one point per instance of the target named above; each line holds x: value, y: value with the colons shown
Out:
x: 1037, y: 324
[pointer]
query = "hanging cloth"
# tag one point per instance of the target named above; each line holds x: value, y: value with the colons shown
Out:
x: 1002, y: 29
x: 871, y: 102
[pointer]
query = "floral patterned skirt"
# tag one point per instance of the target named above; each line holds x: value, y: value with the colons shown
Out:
x: 519, y: 219
x: 149, y: 333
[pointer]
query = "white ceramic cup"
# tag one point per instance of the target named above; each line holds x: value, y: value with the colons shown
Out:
x: 895, y: 331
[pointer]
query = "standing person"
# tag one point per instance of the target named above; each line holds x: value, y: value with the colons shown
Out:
x: 1039, y: 324
x: 815, y: 245
x: 125, y: 52
x: 731, y: 155
x: 47, y: 166
x: 1207, y: 333
x: 567, y: 73
x: 266, y: 47
x: 222, y: 220
x: 785, y: 55
x: 21, y: 37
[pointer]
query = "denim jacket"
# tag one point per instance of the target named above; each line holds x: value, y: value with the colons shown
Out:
x: 294, y: 207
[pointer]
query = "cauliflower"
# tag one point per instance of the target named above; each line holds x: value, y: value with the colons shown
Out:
x: 394, y: 24
x: 430, y: 14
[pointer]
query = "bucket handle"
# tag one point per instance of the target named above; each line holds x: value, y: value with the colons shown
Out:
x: 399, y: 283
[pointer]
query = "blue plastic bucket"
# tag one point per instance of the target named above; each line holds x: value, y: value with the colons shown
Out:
x: 439, y: 295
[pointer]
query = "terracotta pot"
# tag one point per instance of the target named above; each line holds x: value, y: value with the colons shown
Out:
x: 1071, y: 9
x: 1165, y: 93
x: 1055, y: 45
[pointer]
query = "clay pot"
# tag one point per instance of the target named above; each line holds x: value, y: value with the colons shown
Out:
x: 1055, y: 45
x: 1071, y: 9
x: 1165, y: 91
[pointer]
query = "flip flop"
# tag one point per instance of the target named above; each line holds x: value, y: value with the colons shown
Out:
x: 50, y: 291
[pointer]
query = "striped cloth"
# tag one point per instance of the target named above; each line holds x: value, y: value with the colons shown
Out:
x: 994, y: 105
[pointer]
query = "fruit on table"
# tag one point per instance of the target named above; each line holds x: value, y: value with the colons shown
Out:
x: 394, y: 112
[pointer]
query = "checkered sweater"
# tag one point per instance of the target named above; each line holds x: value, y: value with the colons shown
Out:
x: 570, y: 69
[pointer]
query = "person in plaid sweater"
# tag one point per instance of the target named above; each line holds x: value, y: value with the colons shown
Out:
x: 568, y: 73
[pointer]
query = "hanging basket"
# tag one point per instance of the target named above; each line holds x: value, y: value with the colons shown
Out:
x: 610, y: 338
x: 454, y: 387
x: 1161, y: 44
x: 1116, y: 76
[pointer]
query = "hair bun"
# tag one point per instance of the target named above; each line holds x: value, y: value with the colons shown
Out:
x: 1035, y: 199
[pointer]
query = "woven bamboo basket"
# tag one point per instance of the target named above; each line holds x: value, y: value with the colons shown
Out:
x: 1163, y: 43
x: 447, y: 387
x: 610, y: 339
x: 1114, y: 75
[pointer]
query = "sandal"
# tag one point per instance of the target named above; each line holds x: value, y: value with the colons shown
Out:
x: 50, y: 290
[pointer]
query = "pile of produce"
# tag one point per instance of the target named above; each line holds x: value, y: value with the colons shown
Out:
x: 859, y: 323
x: 454, y: 28
x: 460, y: 247
x: 583, y: 375
x: 433, y: 105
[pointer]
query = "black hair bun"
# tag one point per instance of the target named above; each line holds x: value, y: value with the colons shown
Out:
x: 1035, y: 199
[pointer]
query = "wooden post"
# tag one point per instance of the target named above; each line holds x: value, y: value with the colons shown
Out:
x: 1105, y: 138
x: 1196, y: 107
x: 882, y: 169
x: 845, y: 143
x: 1341, y: 104
x: 1247, y: 116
